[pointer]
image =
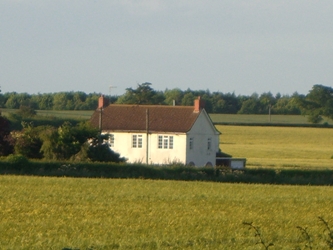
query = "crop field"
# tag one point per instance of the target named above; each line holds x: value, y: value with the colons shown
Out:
x: 280, y: 147
x: 76, y: 114
x: 216, y: 118
x: 263, y: 119
x: 71, y: 114
x: 69, y: 213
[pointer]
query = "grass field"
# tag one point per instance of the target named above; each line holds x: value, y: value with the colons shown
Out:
x: 216, y: 118
x: 59, y: 213
x: 263, y: 119
x: 279, y: 146
x: 71, y: 114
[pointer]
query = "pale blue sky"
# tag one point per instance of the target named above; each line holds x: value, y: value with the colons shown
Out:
x: 241, y: 46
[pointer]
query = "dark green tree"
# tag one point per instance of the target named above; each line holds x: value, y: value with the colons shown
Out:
x: 251, y: 105
x: 6, y: 145
x: 66, y: 141
x: 15, y: 100
x: 43, y: 101
x: 144, y: 94
x: 28, y: 142
x: 172, y: 95
x: 26, y: 111
x: 101, y: 152
x: 63, y: 101
x: 318, y: 103
x: 188, y: 99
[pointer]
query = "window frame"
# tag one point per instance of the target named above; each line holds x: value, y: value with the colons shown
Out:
x: 191, y: 143
x: 209, y: 144
x: 137, y: 141
x: 165, y: 142
x: 111, y: 140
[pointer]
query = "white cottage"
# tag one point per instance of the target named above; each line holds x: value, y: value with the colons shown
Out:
x: 156, y: 134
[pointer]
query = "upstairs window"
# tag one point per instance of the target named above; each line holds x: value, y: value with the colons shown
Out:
x: 209, y: 144
x: 136, y: 141
x: 191, y: 143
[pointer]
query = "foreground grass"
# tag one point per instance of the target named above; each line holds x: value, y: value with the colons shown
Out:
x: 58, y: 213
x: 279, y: 146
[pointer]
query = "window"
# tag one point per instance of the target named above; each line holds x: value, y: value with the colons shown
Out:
x: 209, y: 143
x: 139, y: 141
x: 111, y: 140
x: 165, y: 142
x: 191, y: 143
x: 171, y: 142
x: 160, y: 141
x: 136, y: 141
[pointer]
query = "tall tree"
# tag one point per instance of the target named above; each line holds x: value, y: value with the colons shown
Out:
x: 188, y: 99
x: 143, y: 94
x: 173, y: 95
x: 6, y: 147
x: 28, y: 141
x: 319, y: 102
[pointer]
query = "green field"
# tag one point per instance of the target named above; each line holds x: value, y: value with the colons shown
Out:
x: 76, y: 114
x: 59, y: 213
x: 216, y: 118
x: 70, y: 114
x: 279, y: 146
x: 264, y: 119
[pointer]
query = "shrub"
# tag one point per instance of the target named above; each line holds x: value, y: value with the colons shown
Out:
x: 26, y: 111
x: 18, y: 160
x: 315, y: 118
x: 103, y: 153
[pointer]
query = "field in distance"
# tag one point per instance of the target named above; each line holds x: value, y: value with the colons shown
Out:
x: 279, y: 147
x: 264, y: 119
x: 216, y: 118
x: 81, y: 213
x: 70, y: 114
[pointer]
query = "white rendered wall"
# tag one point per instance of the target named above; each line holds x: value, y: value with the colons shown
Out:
x: 200, y: 132
x: 123, y: 146
x: 167, y: 156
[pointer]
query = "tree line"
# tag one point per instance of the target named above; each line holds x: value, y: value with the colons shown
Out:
x: 215, y: 102
x: 318, y: 102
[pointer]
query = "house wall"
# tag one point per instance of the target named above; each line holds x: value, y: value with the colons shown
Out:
x: 123, y: 146
x: 167, y: 156
x: 201, y: 131
x: 199, y: 155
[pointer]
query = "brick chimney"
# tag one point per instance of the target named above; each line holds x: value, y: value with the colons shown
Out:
x: 102, y: 102
x: 198, y: 104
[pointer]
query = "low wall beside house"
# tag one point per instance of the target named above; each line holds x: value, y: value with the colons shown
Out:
x: 233, y: 163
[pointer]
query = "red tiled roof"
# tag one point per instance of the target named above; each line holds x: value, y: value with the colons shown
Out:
x: 133, y: 118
